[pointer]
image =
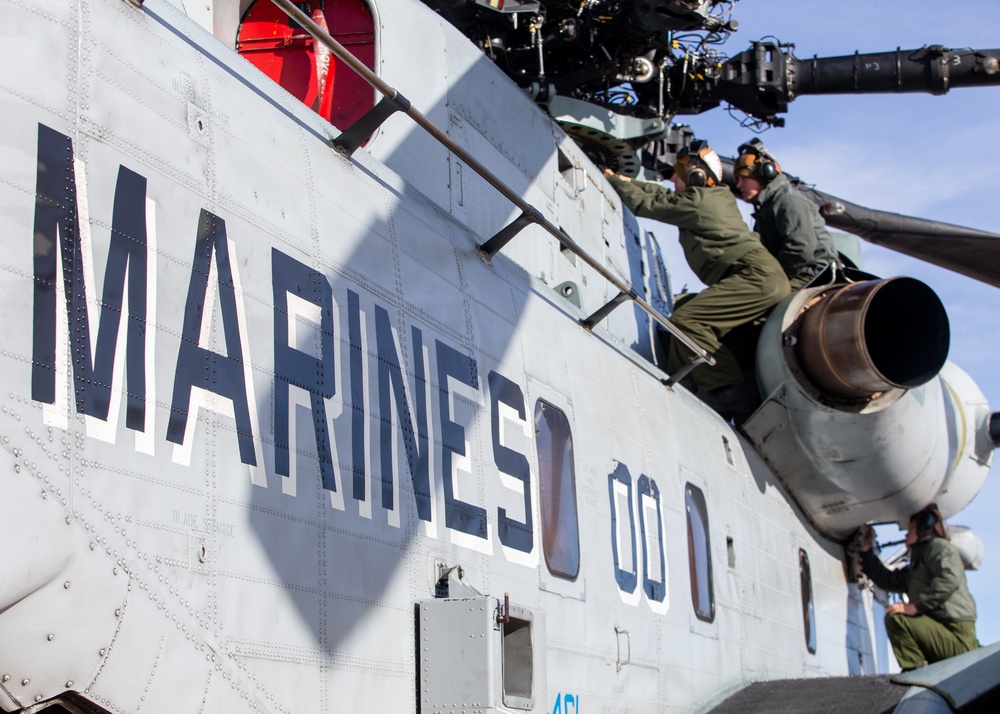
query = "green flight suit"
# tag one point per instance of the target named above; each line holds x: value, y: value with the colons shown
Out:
x: 792, y: 230
x: 744, y: 280
x: 934, y: 582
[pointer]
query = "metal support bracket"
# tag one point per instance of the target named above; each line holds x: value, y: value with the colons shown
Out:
x: 607, y: 309
x: 351, y: 139
x: 686, y: 369
x: 506, y: 234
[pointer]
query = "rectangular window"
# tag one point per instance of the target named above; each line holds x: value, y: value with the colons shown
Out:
x: 518, y: 663
x: 557, y: 491
x: 699, y: 554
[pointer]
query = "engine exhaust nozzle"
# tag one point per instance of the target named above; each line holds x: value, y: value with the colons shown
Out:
x: 864, y: 338
x: 994, y: 429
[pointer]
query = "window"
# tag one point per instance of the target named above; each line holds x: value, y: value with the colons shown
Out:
x: 699, y: 554
x: 808, y: 612
x: 557, y: 491
x: 518, y: 662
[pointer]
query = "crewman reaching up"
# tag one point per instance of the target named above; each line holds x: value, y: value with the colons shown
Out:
x: 744, y: 280
x: 939, y: 618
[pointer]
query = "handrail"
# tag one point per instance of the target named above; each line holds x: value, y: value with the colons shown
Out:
x: 529, y: 214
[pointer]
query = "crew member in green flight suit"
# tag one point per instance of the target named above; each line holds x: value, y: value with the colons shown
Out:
x: 744, y: 280
x: 939, y: 619
x: 788, y: 223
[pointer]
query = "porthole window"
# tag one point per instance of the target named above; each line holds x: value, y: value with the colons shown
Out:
x: 557, y: 491
x: 699, y: 554
x: 808, y: 611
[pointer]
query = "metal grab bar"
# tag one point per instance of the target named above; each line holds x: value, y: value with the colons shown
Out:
x: 400, y: 103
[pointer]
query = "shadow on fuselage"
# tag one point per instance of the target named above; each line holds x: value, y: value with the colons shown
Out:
x: 413, y: 317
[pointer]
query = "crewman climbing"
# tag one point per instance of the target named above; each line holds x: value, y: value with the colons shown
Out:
x: 744, y: 280
x: 789, y: 224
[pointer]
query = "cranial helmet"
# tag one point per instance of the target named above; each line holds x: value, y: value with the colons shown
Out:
x: 756, y: 162
x: 698, y: 165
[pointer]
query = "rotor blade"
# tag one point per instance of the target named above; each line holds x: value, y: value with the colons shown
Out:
x: 967, y: 251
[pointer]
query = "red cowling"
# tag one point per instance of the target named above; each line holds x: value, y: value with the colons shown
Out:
x: 289, y: 55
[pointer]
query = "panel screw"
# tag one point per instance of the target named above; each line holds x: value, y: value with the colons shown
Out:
x: 69, y: 683
x: 51, y: 637
x: 24, y: 682
x: 66, y: 585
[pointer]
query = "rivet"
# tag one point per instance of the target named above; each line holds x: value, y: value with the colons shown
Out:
x: 66, y: 585
x: 51, y: 637
x: 69, y: 683
x: 24, y: 682
x: 103, y: 652
x: 38, y: 697
x: 5, y: 678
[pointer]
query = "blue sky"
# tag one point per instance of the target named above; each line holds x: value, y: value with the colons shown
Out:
x: 921, y: 155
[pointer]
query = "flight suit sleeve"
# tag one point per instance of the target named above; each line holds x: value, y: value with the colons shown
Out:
x: 946, y: 572
x: 649, y: 200
x: 799, y: 240
x: 895, y: 581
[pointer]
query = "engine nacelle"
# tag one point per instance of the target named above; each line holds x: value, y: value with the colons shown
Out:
x: 857, y: 421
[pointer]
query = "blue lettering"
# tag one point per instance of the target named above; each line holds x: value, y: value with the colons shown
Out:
x: 655, y: 589
x: 59, y: 254
x: 221, y: 374
x: 357, y: 395
x: 626, y: 580
x: 566, y: 704
x: 57, y: 228
x: 458, y: 515
x: 513, y: 534
x: 294, y: 367
x: 390, y: 378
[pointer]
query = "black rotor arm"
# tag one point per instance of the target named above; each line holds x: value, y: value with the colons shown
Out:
x: 762, y: 80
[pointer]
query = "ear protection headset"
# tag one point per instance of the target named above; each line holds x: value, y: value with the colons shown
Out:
x: 694, y: 172
x: 696, y: 176
x: 926, y: 519
x: 764, y: 165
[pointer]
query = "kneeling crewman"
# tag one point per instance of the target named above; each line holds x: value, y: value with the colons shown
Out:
x: 939, y: 621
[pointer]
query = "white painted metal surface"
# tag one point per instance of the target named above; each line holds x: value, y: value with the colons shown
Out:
x: 345, y: 301
x: 877, y: 461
